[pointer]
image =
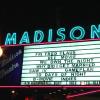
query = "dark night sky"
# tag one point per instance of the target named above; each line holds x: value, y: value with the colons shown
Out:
x: 22, y: 16
x: 40, y: 14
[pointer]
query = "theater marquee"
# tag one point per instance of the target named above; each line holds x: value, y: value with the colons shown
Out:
x: 71, y: 63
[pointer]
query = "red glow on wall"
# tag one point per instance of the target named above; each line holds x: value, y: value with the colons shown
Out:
x: 69, y: 97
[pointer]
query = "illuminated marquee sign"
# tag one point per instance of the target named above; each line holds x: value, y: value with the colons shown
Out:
x: 61, y: 35
x: 74, y: 63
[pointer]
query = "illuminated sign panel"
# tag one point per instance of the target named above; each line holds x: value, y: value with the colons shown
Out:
x: 74, y: 63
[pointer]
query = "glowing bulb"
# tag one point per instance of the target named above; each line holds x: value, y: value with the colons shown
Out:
x: 12, y: 91
x: 1, y: 52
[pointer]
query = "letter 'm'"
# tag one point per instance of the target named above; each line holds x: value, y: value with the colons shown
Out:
x: 10, y: 39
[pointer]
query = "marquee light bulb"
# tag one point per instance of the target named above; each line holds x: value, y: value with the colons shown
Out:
x: 1, y: 52
x: 12, y: 91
